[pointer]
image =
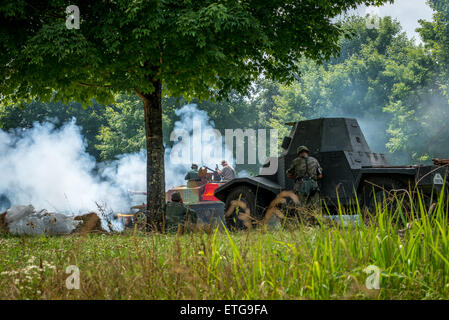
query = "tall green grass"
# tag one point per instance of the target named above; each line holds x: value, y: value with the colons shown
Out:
x: 410, y: 245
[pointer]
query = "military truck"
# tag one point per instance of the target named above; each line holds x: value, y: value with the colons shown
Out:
x: 350, y: 169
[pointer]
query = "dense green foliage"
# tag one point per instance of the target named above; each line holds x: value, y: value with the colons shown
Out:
x: 436, y: 36
x: 395, y: 87
x: 199, y: 48
x: 386, y: 81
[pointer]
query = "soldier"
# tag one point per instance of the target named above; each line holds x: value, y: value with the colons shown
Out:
x: 306, y: 171
x: 177, y: 213
x: 228, y: 172
x: 193, y: 173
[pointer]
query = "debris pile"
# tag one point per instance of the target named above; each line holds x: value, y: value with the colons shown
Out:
x: 25, y: 220
x: 440, y: 162
x: 88, y: 223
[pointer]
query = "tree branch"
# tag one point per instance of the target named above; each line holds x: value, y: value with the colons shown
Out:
x: 93, y: 85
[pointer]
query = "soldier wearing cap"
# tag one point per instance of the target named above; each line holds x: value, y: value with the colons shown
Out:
x: 306, y: 170
x: 177, y: 214
x: 228, y: 172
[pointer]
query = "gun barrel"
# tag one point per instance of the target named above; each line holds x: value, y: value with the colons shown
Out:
x: 210, y: 169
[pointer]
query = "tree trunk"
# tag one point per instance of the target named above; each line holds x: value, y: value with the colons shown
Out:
x: 152, y: 105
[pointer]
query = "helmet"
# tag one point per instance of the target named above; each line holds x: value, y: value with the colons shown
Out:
x: 176, y: 196
x: 301, y: 149
x: 194, y: 166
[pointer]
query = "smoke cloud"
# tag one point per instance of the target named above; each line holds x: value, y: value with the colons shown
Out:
x: 50, y: 168
x: 195, y: 132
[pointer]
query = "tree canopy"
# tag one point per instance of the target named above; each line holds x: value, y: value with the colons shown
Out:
x: 436, y: 36
x: 391, y: 84
x: 199, y: 48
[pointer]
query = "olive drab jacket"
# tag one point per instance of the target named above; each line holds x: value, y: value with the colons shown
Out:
x: 192, y: 175
x: 307, y: 167
x: 176, y: 214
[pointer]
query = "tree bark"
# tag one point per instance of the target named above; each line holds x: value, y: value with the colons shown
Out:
x: 152, y: 104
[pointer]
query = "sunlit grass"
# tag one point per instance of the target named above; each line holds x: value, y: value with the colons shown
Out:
x: 321, y: 261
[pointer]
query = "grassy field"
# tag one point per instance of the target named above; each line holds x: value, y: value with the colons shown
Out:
x: 296, y: 262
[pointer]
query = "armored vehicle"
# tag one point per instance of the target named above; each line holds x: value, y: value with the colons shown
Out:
x: 350, y: 169
x: 197, y: 195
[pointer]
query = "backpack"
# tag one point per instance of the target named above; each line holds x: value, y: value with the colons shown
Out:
x: 308, y: 185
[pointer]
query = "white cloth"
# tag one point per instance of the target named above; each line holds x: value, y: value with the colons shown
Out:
x: 25, y: 220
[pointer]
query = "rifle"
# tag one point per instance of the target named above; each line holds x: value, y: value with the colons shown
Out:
x: 217, y: 176
x: 210, y: 169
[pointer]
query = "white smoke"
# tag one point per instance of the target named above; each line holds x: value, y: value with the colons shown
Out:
x: 128, y: 172
x: 243, y: 174
x: 50, y: 168
x: 201, y: 145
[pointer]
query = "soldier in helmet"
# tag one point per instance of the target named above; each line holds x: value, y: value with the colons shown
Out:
x: 306, y: 170
x: 177, y: 214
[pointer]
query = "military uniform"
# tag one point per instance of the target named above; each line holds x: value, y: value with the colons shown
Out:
x: 176, y: 214
x: 305, y: 171
x: 192, y: 175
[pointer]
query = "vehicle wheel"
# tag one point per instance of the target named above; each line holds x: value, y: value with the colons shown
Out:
x: 140, y: 220
x: 385, y: 194
x: 241, y: 209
